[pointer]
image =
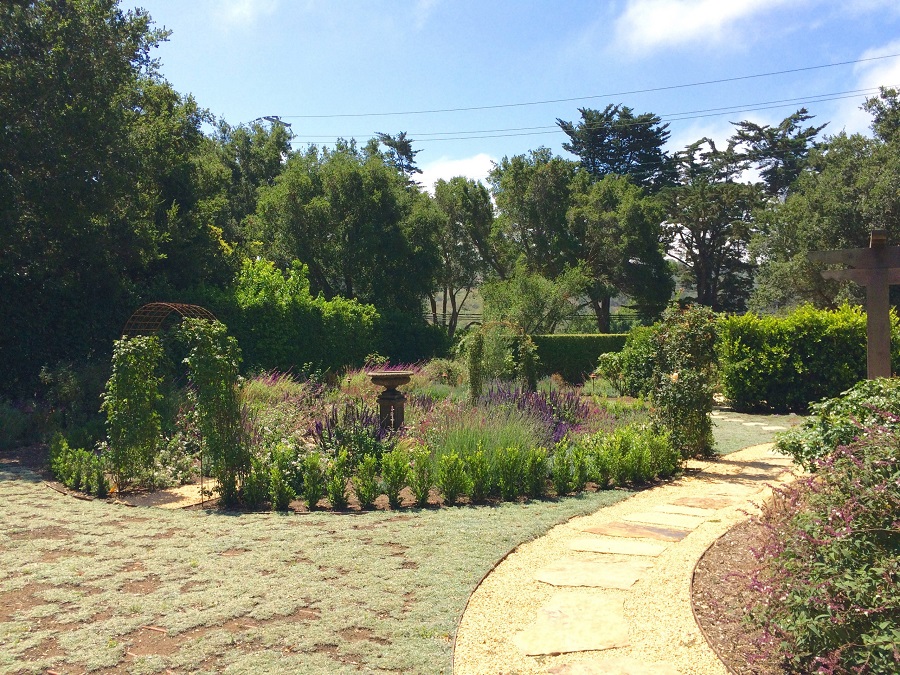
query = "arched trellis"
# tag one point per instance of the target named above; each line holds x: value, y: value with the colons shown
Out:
x: 150, y: 318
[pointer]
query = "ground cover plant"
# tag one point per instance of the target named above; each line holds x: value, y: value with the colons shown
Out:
x: 91, y: 586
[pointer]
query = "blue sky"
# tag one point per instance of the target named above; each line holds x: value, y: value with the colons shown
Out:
x: 326, y: 66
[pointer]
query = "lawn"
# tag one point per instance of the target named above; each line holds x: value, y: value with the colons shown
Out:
x: 81, y: 582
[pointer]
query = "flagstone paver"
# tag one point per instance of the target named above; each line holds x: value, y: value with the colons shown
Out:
x: 566, y: 620
x: 618, y: 545
x: 596, y: 572
x: 773, y: 427
x: 621, y: 529
x: 575, y: 623
x: 667, y: 519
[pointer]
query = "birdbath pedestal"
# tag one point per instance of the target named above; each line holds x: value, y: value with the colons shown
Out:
x: 390, y: 401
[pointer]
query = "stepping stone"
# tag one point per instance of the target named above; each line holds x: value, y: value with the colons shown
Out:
x: 666, y: 519
x: 619, y: 529
x: 575, y: 623
x: 754, y: 424
x: 617, y: 545
x: 773, y: 427
x: 617, y: 666
x: 685, y: 510
x: 706, y: 502
x: 594, y: 573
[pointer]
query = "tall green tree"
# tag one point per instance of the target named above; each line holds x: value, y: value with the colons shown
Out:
x: 709, y: 223
x: 780, y: 153
x: 346, y: 215
x: 464, y: 241
x: 70, y: 247
x: 616, y: 141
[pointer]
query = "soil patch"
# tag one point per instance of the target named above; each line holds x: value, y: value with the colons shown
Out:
x: 721, y: 595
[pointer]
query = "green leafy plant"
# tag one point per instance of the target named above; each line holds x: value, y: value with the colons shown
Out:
x: 580, y: 467
x: 475, y: 364
x: 314, y: 479
x: 630, y: 371
x: 77, y: 468
x: 828, y: 597
x: 255, y: 486
x: 510, y: 468
x: 213, y: 362
x: 451, y: 477
x: 422, y: 474
x: 365, y: 482
x: 478, y: 466
x: 561, y: 471
x: 281, y: 480
x: 336, y: 482
x: 130, y: 403
x: 837, y: 421
x: 394, y: 474
x: 535, y: 472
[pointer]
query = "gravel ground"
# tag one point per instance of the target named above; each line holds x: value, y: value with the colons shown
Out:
x: 661, y: 625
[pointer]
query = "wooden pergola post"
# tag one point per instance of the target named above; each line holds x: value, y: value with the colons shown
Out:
x: 876, y: 268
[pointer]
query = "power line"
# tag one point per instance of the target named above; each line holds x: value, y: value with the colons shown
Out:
x: 665, y: 117
x: 673, y: 117
x: 647, y: 90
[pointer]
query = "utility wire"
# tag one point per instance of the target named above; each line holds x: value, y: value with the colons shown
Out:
x: 665, y: 117
x: 550, y: 130
x: 670, y: 87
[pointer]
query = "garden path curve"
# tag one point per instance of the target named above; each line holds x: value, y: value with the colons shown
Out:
x: 610, y: 592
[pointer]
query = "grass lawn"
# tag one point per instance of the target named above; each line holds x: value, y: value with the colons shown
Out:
x: 93, y: 586
x: 246, y: 593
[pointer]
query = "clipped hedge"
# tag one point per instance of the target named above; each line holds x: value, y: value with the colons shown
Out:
x: 785, y: 363
x: 281, y: 326
x: 574, y: 356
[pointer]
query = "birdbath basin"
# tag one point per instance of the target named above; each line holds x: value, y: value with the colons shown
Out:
x: 390, y: 401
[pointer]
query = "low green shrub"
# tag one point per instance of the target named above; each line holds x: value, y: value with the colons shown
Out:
x: 632, y: 454
x: 336, y: 481
x: 574, y: 356
x: 77, y: 468
x: 255, y: 486
x: 829, y: 584
x: 451, y: 478
x: 314, y: 479
x: 580, y: 467
x: 535, y: 471
x: 630, y: 370
x: 421, y: 474
x: 785, y: 363
x: 838, y: 421
x: 394, y: 474
x: 509, y: 467
x: 478, y: 466
x: 561, y: 471
x: 365, y: 482
x: 281, y: 479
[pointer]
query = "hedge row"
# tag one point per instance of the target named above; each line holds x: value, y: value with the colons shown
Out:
x: 785, y: 363
x: 574, y: 356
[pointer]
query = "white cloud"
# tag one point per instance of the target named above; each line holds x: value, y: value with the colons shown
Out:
x: 886, y: 73
x: 646, y: 25
x: 477, y: 168
x: 243, y: 12
x: 422, y: 12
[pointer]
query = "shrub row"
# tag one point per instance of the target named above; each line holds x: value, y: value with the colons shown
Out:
x: 574, y: 356
x: 784, y: 363
x: 77, y: 468
x: 630, y: 455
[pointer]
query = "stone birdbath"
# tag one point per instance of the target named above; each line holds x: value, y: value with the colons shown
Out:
x: 390, y: 401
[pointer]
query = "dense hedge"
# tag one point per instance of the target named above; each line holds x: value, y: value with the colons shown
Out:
x: 281, y: 326
x: 786, y: 363
x: 574, y: 356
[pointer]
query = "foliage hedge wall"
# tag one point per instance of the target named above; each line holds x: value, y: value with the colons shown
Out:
x: 574, y: 356
x: 785, y: 363
x: 281, y: 326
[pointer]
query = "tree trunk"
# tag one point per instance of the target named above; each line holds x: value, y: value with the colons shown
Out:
x: 601, y: 309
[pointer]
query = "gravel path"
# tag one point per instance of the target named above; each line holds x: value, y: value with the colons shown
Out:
x: 511, y: 610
